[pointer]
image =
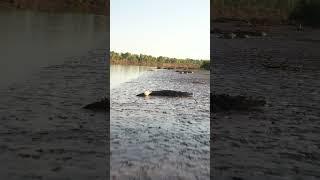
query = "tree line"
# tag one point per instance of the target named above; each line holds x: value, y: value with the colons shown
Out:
x: 271, y: 9
x: 307, y: 12
x: 91, y: 6
x: 160, y: 61
x: 303, y: 11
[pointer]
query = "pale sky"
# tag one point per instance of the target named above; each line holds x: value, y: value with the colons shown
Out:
x: 172, y: 28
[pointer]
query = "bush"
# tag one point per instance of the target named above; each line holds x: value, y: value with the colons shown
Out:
x: 205, y: 65
x: 307, y: 12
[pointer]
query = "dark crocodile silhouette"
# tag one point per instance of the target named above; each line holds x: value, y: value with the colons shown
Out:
x: 168, y: 93
x: 102, y: 105
x: 224, y: 102
x: 184, y: 71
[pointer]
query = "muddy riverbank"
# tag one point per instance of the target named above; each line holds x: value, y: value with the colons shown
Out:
x: 280, y: 141
x: 161, y: 137
x: 45, y: 133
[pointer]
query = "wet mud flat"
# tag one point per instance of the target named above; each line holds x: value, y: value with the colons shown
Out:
x: 45, y: 133
x: 161, y: 137
x: 281, y: 139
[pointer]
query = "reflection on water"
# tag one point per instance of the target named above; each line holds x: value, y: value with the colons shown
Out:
x: 30, y: 40
x: 120, y: 74
x: 159, y: 137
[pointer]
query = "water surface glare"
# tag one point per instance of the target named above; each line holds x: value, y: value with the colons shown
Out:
x: 120, y: 73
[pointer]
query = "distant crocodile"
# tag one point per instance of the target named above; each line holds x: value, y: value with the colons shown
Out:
x: 168, y: 93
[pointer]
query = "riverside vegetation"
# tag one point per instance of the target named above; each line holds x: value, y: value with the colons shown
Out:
x: 89, y: 6
x: 307, y: 12
x: 271, y: 11
x: 160, y: 62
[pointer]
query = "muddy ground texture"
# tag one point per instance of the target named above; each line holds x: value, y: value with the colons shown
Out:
x: 161, y: 137
x: 45, y: 132
x: 279, y: 140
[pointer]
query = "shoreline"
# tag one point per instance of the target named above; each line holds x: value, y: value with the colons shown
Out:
x: 163, y: 66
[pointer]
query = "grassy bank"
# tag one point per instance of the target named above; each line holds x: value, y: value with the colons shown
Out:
x: 162, y: 62
x: 87, y: 6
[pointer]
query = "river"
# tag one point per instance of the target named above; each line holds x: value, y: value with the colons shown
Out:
x: 120, y: 73
x: 32, y: 40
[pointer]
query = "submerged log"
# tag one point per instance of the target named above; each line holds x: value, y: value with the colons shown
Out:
x: 102, y: 105
x: 168, y: 93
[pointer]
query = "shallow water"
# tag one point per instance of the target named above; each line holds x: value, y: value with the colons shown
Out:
x: 31, y: 40
x: 120, y: 73
x: 161, y: 138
